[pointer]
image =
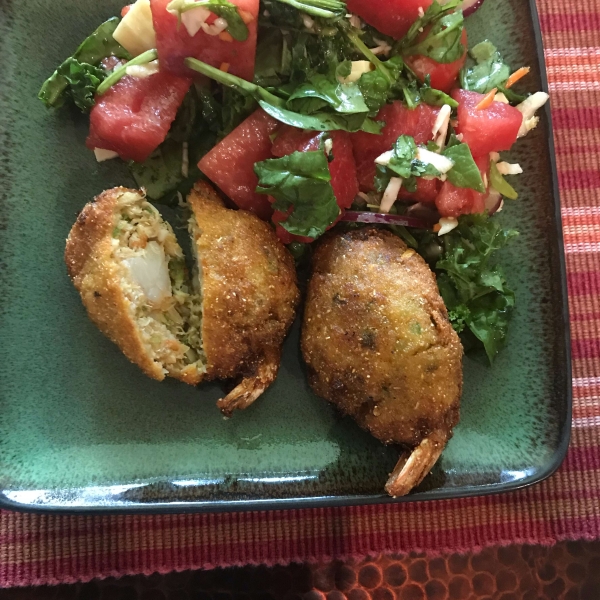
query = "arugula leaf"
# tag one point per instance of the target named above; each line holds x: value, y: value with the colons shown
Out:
x: 78, y: 77
x: 277, y: 107
x: 473, y: 289
x: 300, y: 182
x: 404, y: 164
x: 500, y: 184
x: 322, y: 91
x: 464, y: 173
x: 222, y: 8
x: 489, y: 72
x: 323, y: 121
x: 443, y: 42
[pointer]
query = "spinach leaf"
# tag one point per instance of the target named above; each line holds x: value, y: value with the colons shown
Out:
x: 403, y: 163
x: 222, y: 8
x: 78, y: 77
x: 443, y: 41
x: 489, y: 71
x: 300, y: 183
x: 464, y: 173
x: 500, y: 184
x: 473, y: 289
x: 101, y: 44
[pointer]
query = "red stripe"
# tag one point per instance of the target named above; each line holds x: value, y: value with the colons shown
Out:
x: 566, y: 22
x: 580, y: 180
x: 584, y: 283
x: 581, y: 118
x: 585, y: 348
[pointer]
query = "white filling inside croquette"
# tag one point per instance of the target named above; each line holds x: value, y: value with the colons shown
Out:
x: 153, y: 279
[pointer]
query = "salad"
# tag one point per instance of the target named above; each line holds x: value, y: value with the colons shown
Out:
x: 314, y: 112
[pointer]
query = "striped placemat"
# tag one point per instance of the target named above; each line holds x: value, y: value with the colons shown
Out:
x: 38, y: 549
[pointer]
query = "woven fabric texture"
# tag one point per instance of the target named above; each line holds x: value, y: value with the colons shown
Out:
x: 37, y: 549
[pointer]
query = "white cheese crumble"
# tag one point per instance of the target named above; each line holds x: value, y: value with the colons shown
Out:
x: 391, y: 194
x: 528, y: 108
x: 440, y: 128
x: 102, y: 154
x: 194, y: 19
x: 143, y: 71
x: 442, y: 163
x: 505, y: 168
x: 447, y: 224
x: 216, y: 28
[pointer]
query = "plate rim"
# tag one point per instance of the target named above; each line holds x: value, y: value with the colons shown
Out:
x: 552, y: 465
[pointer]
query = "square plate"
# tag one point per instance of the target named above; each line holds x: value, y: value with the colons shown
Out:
x: 82, y: 429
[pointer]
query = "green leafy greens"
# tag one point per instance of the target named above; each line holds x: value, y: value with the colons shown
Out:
x: 79, y: 76
x: 443, y: 41
x: 403, y: 163
x: 300, y: 183
x: 464, y: 173
x: 279, y: 108
x: 489, y: 71
x: 473, y: 288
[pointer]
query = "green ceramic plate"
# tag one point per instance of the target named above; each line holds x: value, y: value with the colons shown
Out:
x: 82, y: 429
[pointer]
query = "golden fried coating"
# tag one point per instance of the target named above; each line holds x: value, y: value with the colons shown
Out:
x: 378, y: 344
x: 227, y: 321
x: 249, y: 293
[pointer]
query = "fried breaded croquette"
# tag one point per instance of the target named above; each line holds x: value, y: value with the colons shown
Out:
x: 227, y: 321
x: 248, y: 284
x: 378, y: 344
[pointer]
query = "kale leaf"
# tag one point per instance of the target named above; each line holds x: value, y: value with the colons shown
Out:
x: 473, y: 288
x: 78, y: 77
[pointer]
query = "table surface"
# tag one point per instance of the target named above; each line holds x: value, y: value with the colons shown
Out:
x: 566, y: 571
